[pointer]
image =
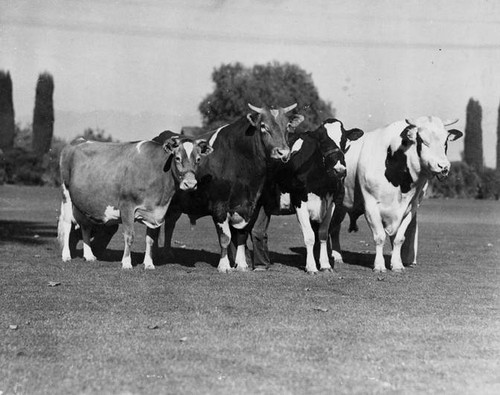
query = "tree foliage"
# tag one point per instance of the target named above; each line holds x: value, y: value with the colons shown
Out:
x: 96, y: 135
x: 43, y: 115
x: 271, y: 84
x: 7, y: 124
x: 498, y: 140
x: 473, y: 139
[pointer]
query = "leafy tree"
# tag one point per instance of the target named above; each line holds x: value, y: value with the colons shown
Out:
x: 498, y: 140
x: 96, y: 135
x: 43, y: 115
x: 272, y: 84
x: 473, y: 140
x: 7, y: 126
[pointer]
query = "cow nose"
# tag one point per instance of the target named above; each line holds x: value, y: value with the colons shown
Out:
x: 188, y: 183
x: 281, y: 153
x: 340, y: 170
x: 444, y: 167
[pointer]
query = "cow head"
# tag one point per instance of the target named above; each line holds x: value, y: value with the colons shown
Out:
x: 334, y: 142
x: 185, y: 157
x: 274, y: 126
x: 429, y: 136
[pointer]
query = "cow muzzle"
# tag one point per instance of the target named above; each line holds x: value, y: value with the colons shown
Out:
x: 282, y: 154
x: 443, y: 170
x: 188, y: 182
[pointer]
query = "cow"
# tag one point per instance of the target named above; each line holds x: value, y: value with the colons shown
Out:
x: 388, y: 173
x: 232, y: 178
x: 111, y: 183
x: 310, y: 184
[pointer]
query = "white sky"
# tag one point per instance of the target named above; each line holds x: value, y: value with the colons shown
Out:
x: 376, y: 61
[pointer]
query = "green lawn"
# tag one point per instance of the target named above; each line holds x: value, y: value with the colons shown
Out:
x: 186, y: 329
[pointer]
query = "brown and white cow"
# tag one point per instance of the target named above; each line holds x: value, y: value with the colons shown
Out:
x: 387, y: 174
x: 110, y: 183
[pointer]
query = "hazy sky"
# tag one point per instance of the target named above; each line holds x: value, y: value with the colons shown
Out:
x: 375, y: 61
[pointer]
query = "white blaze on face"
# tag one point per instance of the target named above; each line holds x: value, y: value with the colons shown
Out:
x: 334, y: 131
x: 188, y: 147
x: 297, y: 145
x: 111, y: 214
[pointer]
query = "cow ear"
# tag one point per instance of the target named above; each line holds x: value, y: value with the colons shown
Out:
x: 253, y: 118
x: 354, y: 134
x: 295, y: 120
x: 205, y: 148
x: 171, y: 144
x: 409, y: 135
x: 454, y: 134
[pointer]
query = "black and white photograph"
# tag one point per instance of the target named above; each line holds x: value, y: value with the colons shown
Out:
x: 249, y: 197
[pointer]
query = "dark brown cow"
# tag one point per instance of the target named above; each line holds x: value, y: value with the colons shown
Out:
x: 110, y: 183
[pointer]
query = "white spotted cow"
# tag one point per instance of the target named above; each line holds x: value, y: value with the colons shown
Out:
x: 111, y: 183
x: 387, y: 174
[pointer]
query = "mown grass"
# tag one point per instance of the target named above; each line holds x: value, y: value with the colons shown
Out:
x: 184, y: 328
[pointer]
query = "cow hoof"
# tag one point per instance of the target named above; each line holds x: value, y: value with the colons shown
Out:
x: 398, y: 269
x: 90, y: 258
x: 66, y: 258
x: 127, y: 267
x: 225, y: 270
x: 149, y: 267
x: 327, y: 270
x: 242, y: 268
x: 379, y: 270
x: 311, y: 272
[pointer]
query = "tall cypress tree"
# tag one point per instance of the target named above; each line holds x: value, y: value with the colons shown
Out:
x: 7, y: 124
x: 473, y: 140
x: 498, y: 140
x: 43, y: 115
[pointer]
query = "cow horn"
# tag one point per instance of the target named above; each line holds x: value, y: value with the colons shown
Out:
x: 256, y: 109
x: 450, y: 122
x: 410, y: 122
x: 289, y: 108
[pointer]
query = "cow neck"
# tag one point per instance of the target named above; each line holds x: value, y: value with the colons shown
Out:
x: 402, y: 164
x: 247, y: 141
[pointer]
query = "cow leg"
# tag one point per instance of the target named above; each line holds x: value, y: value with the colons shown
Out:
x: 64, y: 225
x: 171, y: 219
x: 374, y: 220
x: 88, y: 255
x: 259, y: 240
x: 335, y: 226
x: 397, y: 242
x: 324, y: 260
x: 224, y: 233
x: 241, y: 243
x: 410, y: 245
x: 128, y: 236
x: 151, y: 247
x: 308, y: 233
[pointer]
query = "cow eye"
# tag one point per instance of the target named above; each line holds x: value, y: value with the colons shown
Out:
x: 178, y: 159
x: 198, y: 159
x: 264, y: 128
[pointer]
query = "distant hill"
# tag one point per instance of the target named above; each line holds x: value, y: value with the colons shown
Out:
x: 121, y: 126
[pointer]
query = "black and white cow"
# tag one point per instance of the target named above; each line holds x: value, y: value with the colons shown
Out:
x: 311, y: 184
x: 389, y: 170
x: 232, y: 178
x: 110, y: 183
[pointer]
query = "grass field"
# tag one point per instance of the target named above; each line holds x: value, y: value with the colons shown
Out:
x: 186, y: 329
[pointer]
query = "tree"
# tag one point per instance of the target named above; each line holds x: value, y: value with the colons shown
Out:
x: 272, y: 84
x: 498, y: 140
x: 96, y: 135
x: 473, y: 140
x: 7, y: 125
x: 43, y: 115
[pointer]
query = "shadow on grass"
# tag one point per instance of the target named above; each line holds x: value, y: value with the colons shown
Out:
x: 26, y: 232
